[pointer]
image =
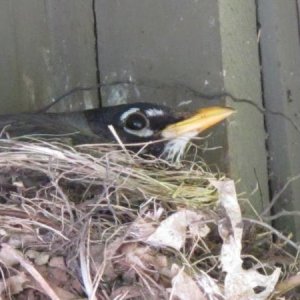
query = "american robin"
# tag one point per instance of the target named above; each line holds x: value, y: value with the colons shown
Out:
x: 133, y: 123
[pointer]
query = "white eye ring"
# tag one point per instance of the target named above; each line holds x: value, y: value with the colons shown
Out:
x: 128, y: 112
x: 136, y: 121
x: 144, y: 132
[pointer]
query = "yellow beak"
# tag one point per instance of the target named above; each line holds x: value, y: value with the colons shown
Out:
x: 197, y: 123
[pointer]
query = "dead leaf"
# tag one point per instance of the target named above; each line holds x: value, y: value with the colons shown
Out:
x: 14, y: 284
x: 184, y: 287
x: 142, y: 228
x: 239, y: 284
x: 172, y: 232
x: 209, y: 286
x: 7, y: 259
x: 17, y: 255
x: 144, y: 257
x: 57, y: 262
x: 39, y: 258
x: 65, y: 294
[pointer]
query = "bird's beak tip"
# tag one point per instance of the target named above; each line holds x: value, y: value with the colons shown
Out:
x: 198, y: 122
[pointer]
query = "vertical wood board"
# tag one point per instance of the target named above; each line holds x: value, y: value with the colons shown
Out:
x: 241, y: 69
x: 210, y: 46
x: 47, y: 48
x: 281, y: 69
x: 167, y: 47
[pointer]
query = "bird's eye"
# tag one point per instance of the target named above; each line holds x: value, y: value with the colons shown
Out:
x: 136, y: 121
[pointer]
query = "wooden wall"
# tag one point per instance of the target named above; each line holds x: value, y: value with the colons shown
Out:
x: 179, y: 53
x: 208, y: 46
x: 47, y: 47
x: 280, y: 49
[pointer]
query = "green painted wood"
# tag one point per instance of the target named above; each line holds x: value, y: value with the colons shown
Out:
x: 47, y: 48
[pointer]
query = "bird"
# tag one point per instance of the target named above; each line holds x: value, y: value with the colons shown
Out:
x: 165, y: 132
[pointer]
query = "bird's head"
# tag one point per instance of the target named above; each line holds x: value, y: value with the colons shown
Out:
x: 167, y: 133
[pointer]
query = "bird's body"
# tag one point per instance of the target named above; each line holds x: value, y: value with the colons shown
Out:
x: 133, y: 123
x: 43, y: 124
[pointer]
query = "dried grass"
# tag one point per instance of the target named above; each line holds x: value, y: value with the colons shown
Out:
x: 79, y: 222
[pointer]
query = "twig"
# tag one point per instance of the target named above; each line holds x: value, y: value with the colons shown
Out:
x: 32, y: 271
x: 40, y: 220
x: 66, y: 94
x: 159, y: 85
x: 84, y: 257
x: 274, y: 231
x: 277, y: 196
x: 287, y: 285
x: 116, y: 136
x: 283, y: 213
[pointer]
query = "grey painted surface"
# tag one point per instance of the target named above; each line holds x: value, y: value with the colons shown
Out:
x: 167, y: 47
x: 246, y: 134
x: 281, y: 69
x: 47, y: 48
x: 167, y: 44
x: 159, y: 43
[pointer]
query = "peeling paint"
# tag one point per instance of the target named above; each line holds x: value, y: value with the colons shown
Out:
x: 46, y: 58
x: 212, y: 21
x: 183, y: 103
x: 117, y: 95
x: 29, y: 88
x: 88, y: 100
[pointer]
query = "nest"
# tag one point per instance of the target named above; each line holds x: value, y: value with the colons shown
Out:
x: 98, y: 222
